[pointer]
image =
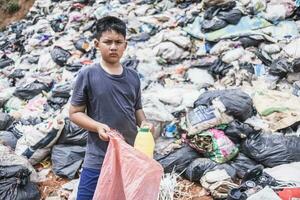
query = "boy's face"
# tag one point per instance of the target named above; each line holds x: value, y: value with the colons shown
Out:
x: 112, y: 46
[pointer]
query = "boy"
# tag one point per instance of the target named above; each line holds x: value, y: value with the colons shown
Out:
x: 111, y: 95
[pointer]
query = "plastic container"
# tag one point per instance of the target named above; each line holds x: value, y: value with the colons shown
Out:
x: 144, y: 142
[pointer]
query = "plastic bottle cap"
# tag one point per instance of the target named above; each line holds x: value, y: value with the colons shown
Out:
x: 144, y: 129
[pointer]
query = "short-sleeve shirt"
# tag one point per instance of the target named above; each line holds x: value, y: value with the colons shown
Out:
x: 109, y: 99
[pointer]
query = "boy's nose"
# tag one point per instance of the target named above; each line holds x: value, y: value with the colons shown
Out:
x: 113, y: 46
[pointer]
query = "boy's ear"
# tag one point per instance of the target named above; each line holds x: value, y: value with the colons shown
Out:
x: 96, y: 43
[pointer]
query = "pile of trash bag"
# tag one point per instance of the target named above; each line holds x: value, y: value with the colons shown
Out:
x: 219, y: 80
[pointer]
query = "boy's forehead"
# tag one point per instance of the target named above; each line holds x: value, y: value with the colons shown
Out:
x: 112, y: 35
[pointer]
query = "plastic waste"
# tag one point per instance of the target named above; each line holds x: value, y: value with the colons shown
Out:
x: 5, y: 61
x: 272, y: 149
x: 289, y: 193
x: 59, y: 24
x: 5, y: 121
x: 259, y: 70
x: 30, y: 90
x: 175, y: 160
x: 170, y: 130
x: 127, y: 172
x: 15, y: 184
x: 37, y: 140
x: 237, y: 103
x: 198, y: 167
x: 82, y: 45
x: 242, y: 164
x: 60, y: 56
x: 144, y: 142
x: 231, y: 17
x: 238, y: 131
x: 67, y: 159
x: 218, y: 183
x: 214, y: 144
x: 205, y: 117
x: 219, y: 69
x: 72, y: 134
x: 296, y: 88
x: 8, y: 138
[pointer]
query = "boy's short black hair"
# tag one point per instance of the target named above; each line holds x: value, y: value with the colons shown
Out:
x: 110, y: 23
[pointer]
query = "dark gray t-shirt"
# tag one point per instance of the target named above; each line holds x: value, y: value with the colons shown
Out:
x: 110, y: 99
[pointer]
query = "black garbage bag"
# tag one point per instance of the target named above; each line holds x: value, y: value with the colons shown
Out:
x: 238, y: 131
x: 32, y: 59
x: 82, y: 1
x: 242, y: 164
x: 28, y: 91
x: 293, y: 144
x: 62, y: 90
x: 296, y: 65
x: 221, y: 4
x: 67, y: 159
x: 60, y: 56
x: 57, y: 102
x: 89, y: 26
x: 272, y: 149
x: 264, y: 57
x: 231, y: 17
x: 198, y: 167
x: 131, y: 63
x: 247, y: 41
x: 5, y: 61
x: 17, y: 73
x: 248, y: 66
x: 5, y: 121
x: 4, y: 44
x: 15, y: 184
x: 8, y: 139
x: 74, y: 67
x: 219, y: 69
x: 59, y: 24
x: 82, y: 45
x: 178, y: 159
x: 141, y: 37
x: 72, y: 134
x: 212, y: 25
x: 211, y: 12
x: 238, y: 104
x: 280, y: 67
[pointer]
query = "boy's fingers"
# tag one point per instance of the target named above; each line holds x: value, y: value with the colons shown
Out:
x: 103, y: 136
x: 106, y: 128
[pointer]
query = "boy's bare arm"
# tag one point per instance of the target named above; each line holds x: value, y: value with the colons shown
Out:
x: 78, y: 116
x: 140, y: 117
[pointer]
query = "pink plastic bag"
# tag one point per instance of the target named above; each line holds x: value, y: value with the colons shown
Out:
x: 127, y: 174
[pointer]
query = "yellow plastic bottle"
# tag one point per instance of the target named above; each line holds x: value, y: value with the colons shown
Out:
x: 144, y: 141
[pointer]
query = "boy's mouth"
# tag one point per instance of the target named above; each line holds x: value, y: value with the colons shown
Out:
x: 113, y: 54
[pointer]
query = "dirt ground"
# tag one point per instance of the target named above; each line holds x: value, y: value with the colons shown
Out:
x: 191, y: 191
x: 6, y: 18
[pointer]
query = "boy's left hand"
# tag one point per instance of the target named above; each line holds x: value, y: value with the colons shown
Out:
x: 148, y: 125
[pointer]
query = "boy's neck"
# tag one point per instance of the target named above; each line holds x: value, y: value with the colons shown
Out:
x: 114, y: 69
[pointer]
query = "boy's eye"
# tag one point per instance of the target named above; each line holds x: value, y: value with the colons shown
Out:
x: 110, y: 42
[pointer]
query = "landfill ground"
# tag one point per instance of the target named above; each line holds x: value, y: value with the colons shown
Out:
x: 6, y: 17
x: 219, y: 80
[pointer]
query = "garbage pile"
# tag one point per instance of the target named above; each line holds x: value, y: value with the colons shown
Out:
x: 220, y: 81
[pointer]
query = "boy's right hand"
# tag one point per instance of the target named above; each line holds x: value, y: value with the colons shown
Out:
x: 102, y: 129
